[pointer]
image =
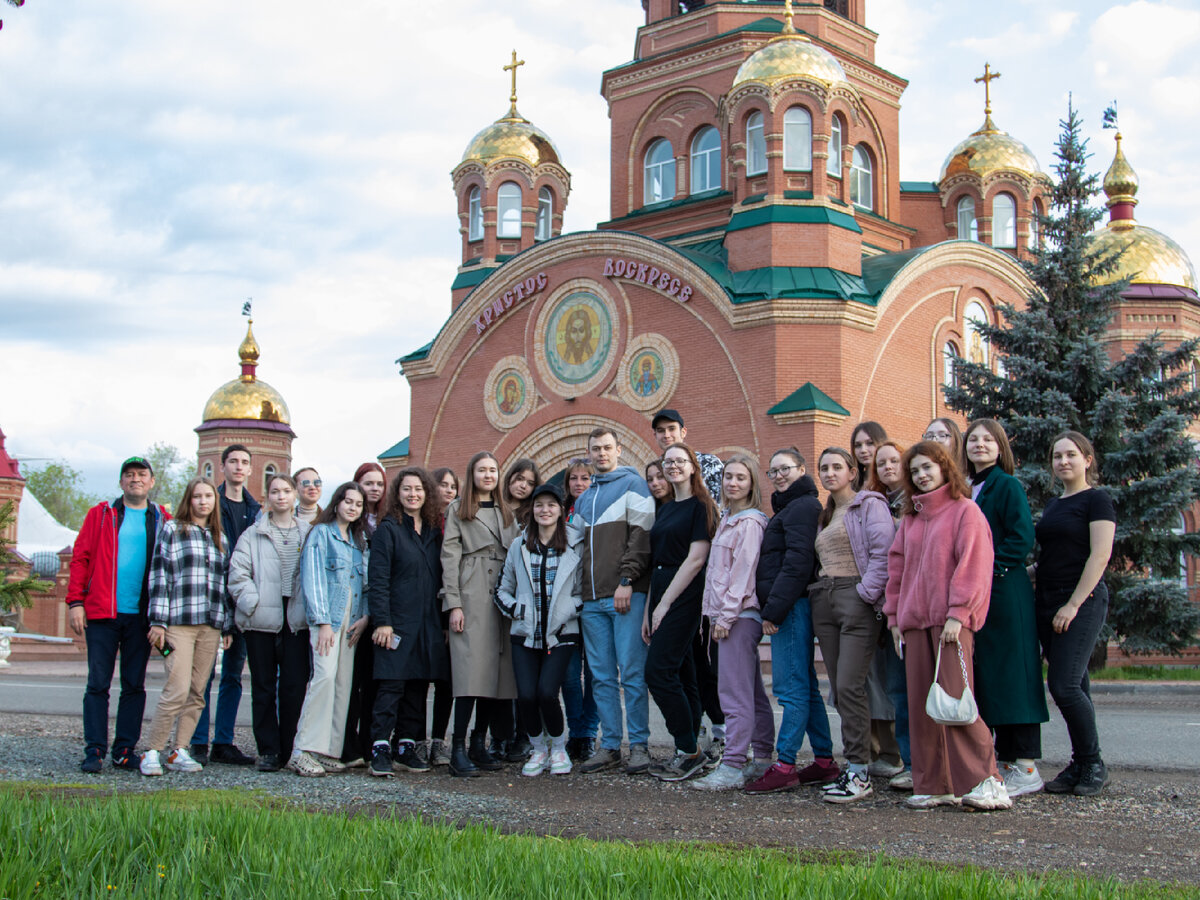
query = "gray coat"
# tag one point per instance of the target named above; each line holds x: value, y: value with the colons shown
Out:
x: 473, y: 554
x: 255, y: 582
x: 515, y: 595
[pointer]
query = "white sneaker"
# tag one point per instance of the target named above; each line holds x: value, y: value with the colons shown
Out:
x: 902, y: 781
x: 722, y: 778
x: 560, y: 762
x: 881, y: 768
x: 849, y: 788
x: 536, y: 764
x: 304, y: 765
x: 755, y: 770
x: 929, y: 801
x: 988, y: 794
x: 150, y: 764
x: 1020, y: 780
x: 181, y: 761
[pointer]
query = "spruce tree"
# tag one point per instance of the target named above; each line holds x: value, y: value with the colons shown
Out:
x: 1136, y: 409
x: 15, y: 590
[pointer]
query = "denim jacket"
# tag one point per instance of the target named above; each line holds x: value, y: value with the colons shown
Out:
x: 333, y: 576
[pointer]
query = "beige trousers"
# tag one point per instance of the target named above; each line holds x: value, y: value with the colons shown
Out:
x: 188, y: 668
x: 322, y: 727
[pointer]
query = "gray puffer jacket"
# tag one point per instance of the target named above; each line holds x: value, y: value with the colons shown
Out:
x: 515, y: 597
x: 255, y: 582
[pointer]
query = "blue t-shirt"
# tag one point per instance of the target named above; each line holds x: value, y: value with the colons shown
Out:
x: 131, y: 560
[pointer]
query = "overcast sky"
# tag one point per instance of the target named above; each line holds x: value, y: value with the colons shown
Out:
x: 161, y: 162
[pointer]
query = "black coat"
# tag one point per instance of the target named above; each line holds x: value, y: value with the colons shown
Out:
x: 404, y: 576
x: 788, y: 558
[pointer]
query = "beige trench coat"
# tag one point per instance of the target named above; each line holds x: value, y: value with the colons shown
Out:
x: 472, y: 558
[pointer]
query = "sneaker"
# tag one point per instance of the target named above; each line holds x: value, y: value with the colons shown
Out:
x: 988, y: 794
x: 639, y: 760
x: 381, y: 761
x: 93, y: 762
x: 438, y: 755
x: 560, y: 761
x: 422, y: 750
x: 538, y: 760
x: 881, y: 768
x: 580, y: 749
x: 518, y: 750
x: 722, y: 778
x: 229, y: 755
x: 1093, y: 778
x: 822, y: 770
x: 776, y: 778
x: 329, y: 764
x: 601, y: 761
x: 199, y: 753
x: 681, y: 767
x: 1064, y: 782
x: 181, y: 761
x: 929, y: 801
x: 304, y: 765
x: 357, y: 763
x: 1020, y: 780
x: 849, y: 788
x: 408, y: 759
x: 755, y: 770
x: 126, y: 759
x: 713, y: 753
x: 901, y: 782
x: 268, y: 762
x: 150, y: 764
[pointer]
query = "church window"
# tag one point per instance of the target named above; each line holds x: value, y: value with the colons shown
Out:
x: 949, y: 355
x: 660, y: 172
x: 474, y: 216
x: 833, y: 165
x: 208, y: 470
x: 544, y: 214
x: 978, y: 349
x: 797, y: 140
x: 1004, y: 221
x: 861, y: 186
x: 1035, y: 226
x: 508, y: 217
x: 756, y: 145
x: 968, y: 226
x: 706, y: 161
x: 268, y: 474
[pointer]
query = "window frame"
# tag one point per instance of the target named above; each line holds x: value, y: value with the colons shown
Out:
x: 663, y: 168
x: 505, y: 209
x: 860, y: 175
x: 972, y: 228
x: 756, y: 146
x: 837, y: 138
x: 705, y: 161
x: 544, y: 227
x: 795, y: 143
x: 1009, y: 237
x: 475, y: 214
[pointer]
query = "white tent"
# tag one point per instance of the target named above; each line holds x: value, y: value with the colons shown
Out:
x: 38, y: 531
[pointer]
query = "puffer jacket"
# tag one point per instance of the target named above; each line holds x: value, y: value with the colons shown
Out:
x: 255, y: 582
x: 333, y: 577
x: 515, y: 596
x: 729, y: 582
x: 787, y: 561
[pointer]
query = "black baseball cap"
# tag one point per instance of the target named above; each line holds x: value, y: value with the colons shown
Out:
x: 671, y: 415
x: 548, y: 488
x: 137, y: 462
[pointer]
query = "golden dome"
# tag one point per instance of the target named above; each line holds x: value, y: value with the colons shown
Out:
x: 1149, y: 257
x: 511, y: 137
x: 789, y: 56
x: 990, y: 150
x: 1120, y: 181
x: 246, y: 397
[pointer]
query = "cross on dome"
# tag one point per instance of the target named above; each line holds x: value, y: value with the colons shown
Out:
x: 512, y: 67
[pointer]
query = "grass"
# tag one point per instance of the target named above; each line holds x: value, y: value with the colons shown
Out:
x: 89, y: 843
x: 1148, y: 673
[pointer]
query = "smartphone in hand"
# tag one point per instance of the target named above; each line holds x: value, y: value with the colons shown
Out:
x: 166, y: 649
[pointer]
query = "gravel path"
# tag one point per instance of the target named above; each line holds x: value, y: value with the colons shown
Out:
x: 1146, y: 826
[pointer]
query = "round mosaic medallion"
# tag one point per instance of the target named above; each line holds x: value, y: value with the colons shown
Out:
x: 649, y: 373
x: 576, y: 341
x: 508, y: 393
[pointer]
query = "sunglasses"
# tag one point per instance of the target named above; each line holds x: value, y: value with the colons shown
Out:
x: 311, y: 483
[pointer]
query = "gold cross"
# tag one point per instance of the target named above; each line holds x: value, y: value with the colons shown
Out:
x: 512, y: 67
x: 987, y: 78
x: 788, y: 27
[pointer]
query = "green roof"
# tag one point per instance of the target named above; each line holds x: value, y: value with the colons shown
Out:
x: 775, y: 281
x: 765, y: 215
x: 472, y: 277
x: 419, y: 353
x: 400, y: 449
x: 650, y: 208
x: 809, y: 397
x: 918, y: 187
x: 878, y: 271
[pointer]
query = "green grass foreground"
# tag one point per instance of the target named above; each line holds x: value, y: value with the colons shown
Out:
x: 85, y: 843
x: 1148, y: 673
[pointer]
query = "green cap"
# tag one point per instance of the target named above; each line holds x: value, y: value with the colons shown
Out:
x: 137, y: 462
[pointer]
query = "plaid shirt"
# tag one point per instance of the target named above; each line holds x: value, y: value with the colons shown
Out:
x: 187, y: 579
x: 542, y: 569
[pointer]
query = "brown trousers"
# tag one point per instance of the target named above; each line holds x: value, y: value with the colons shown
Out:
x: 946, y: 759
x: 188, y: 668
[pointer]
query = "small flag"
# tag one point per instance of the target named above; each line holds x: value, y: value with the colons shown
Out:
x: 1110, y: 116
x: 246, y: 308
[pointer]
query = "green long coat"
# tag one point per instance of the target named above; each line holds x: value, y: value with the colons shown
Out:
x: 1008, y: 663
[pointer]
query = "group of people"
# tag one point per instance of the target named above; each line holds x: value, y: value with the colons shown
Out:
x: 516, y: 597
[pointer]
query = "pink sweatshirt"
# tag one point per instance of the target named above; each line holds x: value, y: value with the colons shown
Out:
x: 729, y: 587
x: 940, y: 565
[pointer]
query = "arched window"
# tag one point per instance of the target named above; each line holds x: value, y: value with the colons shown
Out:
x: 508, y: 200
x: 208, y: 470
x: 1035, y: 226
x: 978, y: 349
x: 797, y: 140
x: 706, y: 161
x: 861, y: 187
x: 756, y: 145
x: 968, y: 227
x: 1182, y: 573
x: 474, y: 216
x: 833, y: 165
x: 1004, y: 221
x: 268, y: 474
x: 544, y: 215
x: 949, y: 355
x: 660, y: 172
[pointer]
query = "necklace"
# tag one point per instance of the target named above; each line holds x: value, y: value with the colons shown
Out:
x: 284, y: 535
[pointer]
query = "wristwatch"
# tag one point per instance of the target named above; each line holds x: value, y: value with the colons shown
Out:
x: 625, y: 581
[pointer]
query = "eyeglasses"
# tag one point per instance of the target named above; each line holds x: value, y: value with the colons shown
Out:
x: 674, y: 463
x: 936, y: 436
x: 781, y: 470
x: 310, y: 483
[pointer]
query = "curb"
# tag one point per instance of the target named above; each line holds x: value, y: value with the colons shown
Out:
x: 1179, y: 688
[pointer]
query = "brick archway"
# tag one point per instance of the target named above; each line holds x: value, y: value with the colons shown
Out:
x: 555, y: 444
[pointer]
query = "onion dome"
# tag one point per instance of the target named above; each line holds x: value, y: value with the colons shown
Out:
x: 512, y: 137
x: 1147, y: 256
x: 791, y: 55
x: 990, y: 150
x: 246, y: 397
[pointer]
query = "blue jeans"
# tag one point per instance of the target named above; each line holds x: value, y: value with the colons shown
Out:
x: 127, y: 633
x: 794, y: 683
x: 582, y: 716
x: 229, y: 695
x: 617, y: 655
x: 897, y: 691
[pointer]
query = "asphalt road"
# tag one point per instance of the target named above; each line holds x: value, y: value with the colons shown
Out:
x: 1157, y: 729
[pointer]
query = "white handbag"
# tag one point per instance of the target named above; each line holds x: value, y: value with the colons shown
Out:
x: 944, y: 709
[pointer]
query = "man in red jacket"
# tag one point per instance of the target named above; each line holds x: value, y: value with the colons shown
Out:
x: 107, y: 598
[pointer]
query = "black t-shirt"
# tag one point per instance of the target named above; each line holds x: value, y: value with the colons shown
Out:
x: 676, y: 526
x: 234, y: 525
x: 1064, y: 535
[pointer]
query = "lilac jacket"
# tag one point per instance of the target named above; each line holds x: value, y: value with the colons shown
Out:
x: 729, y: 581
x: 871, y: 529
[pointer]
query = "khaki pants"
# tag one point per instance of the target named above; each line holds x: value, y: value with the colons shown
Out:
x: 188, y: 668
x: 322, y: 727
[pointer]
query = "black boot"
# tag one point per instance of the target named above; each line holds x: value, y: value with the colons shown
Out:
x: 460, y: 763
x: 480, y: 755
